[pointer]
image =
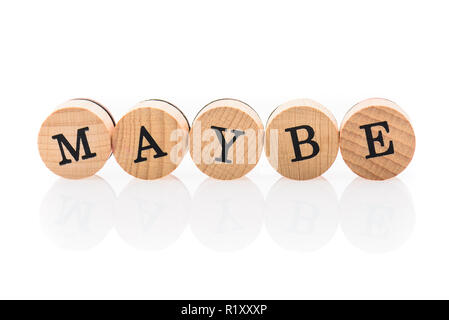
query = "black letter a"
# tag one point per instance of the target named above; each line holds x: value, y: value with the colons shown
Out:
x: 297, y: 144
x: 81, y: 138
x: 152, y: 145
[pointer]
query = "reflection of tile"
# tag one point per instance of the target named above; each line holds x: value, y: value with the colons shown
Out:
x: 302, y: 215
x: 377, y: 216
x: 153, y: 214
x: 78, y: 214
x: 227, y: 215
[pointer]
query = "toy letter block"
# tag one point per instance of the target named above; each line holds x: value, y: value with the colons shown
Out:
x: 377, y: 139
x: 301, y: 139
x: 226, y: 140
x: 75, y: 141
x: 150, y: 141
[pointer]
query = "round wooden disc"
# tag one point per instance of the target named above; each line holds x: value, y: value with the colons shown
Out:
x: 301, y: 139
x: 150, y: 141
x: 226, y: 139
x: 377, y: 140
x: 75, y: 141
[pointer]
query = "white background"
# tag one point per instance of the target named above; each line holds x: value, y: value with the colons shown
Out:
x: 191, y: 237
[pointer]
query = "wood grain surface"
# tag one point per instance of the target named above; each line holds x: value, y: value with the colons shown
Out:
x: 151, y: 140
x: 382, y: 126
x: 70, y: 121
x: 232, y: 123
x: 301, y: 139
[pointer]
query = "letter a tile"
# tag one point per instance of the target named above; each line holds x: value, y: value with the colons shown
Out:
x: 151, y: 140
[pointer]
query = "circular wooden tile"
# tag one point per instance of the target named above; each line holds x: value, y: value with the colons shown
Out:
x: 226, y: 139
x: 75, y: 141
x: 301, y: 139
x: 377, y: 139
x: 150, y: 141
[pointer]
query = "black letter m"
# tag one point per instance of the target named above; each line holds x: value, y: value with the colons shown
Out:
x: 80, y: 139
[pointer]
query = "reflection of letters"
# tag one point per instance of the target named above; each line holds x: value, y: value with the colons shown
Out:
x: 304, y: 219
x: 79, y: 211
x: 228, y: 222
x: 149, y: 213
x: 379, y: 222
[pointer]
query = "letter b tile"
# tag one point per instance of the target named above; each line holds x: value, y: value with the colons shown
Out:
x: 226, y: 140
x: 301, y: 139
x: 75, y: 141
x: 150, y: 141
x: 377, y: 139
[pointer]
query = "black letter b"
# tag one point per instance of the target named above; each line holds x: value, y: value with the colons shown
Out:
x: 297, y: 144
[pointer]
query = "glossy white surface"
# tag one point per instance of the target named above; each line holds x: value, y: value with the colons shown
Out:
x: 192, y: 237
